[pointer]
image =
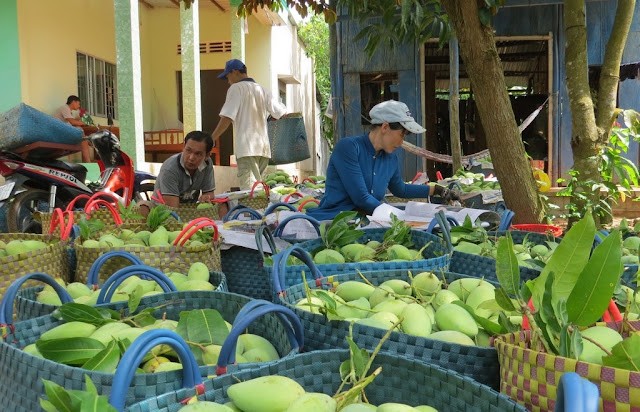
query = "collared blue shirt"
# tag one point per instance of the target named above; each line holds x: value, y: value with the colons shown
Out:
x: 358, y: 178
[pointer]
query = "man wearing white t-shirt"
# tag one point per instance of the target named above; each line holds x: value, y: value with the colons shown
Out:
x: 247, y: 106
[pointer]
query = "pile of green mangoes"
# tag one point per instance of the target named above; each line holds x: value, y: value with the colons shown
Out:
x: 478, y: 184
x: 425, y: 307
x: 159, y: 237
x: 196, y: 279
x: 315, y: 182
x: 17, y: 247
x: 631, y: 250
x: 250, y: 348
x: 275, y: 393
x: 370, y: 252
x: 279, y: 176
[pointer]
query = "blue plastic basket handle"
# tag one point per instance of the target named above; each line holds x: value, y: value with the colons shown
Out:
x: 272, y: 207
x: 6, y: 306
x: 506, y: 219
x: 239, y: 210
x: 441, y: 220
x: 281, y: 225
x: 93, y: 276
x: 109, y: 287
x: 263, y: 231
x: 290, y: 320
x: 280, y: 265
x: 576, y: 394
x: 600, y: 235
x: 136, y: 352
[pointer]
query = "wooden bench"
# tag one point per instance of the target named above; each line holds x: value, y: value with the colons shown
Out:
x: 169, y: 142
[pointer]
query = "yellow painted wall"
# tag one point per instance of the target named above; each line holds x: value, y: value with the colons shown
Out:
x: 50, y: 34
x: 258, y: 54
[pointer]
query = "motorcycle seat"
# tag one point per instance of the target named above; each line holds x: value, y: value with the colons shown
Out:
x: 75, y: 169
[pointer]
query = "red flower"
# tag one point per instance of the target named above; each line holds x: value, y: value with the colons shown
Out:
x: 82, y: 112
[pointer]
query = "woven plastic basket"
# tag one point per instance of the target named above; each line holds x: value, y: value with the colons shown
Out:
x: 293, y: 239
x: 21, y: 374
x: 189, y: 211
x: 532, y: 377
x: 401, y: 380
x: 478, y: 363
x: 255, y: 200
x: 435, y: 258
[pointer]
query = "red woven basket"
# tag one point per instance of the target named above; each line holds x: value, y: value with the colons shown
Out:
x: 556, y: 231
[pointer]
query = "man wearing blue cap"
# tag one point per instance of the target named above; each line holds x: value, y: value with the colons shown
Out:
x: 247, y: 106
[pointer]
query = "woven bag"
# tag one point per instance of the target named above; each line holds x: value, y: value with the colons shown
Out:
x: 51, y: 259
x: 435, y: 255
x: 252, y: 199
x: 401, y: 380
x: 531, y: 377
x: 288, y: 140
x: 21, y: 374
x: 190, y: 211
x: 173, y: 258
x: 479, y: 363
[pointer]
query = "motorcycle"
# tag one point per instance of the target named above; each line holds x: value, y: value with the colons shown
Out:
x: 35, y: 180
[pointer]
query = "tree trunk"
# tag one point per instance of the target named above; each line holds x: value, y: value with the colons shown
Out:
x: 483, y: 66
x: 588, y: 137
x: 454, y: 105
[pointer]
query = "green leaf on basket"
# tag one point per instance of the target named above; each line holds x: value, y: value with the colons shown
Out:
x: 526, y: 289
x: 490, y: 327
x: 504, y: 321
x: 92, y: 402
x: 70, y: 351
x: 89, y: 385
x: 625, y: 354
x: 76, y: 312
x: 328, y: 300
x: 507, y: 269
x: 106, y: 360
x: 48, y: 406
x: 492, y: 305
x: 359, y: 358
x: 567, y: 261
x: 503, y: 300
x: 565, y: 343
x: 547, y: 310
x: 595, y: 285
x: 206, y: 326
x: 58, y: 397
x: 109, y: 313
x: 135, y: 297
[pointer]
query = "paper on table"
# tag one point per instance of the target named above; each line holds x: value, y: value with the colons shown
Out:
x: 381, y: 217
x: 295, y: 228
x: 459, y: 213
x: 247, y: 240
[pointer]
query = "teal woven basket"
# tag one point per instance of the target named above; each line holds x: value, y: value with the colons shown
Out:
x: 436, y: 258
x: 479, y: 363
x: 401, y: 380
x: 21, y: 374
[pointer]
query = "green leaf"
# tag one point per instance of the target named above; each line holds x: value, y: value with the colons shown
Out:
x: 547, y: 310
x: 504, y: 321
x: 328, y: 300
x: 348, y: 237
x: 490, y: 327
x: 48, y: 406
x: 359, y: 357
x: 625, y: 354
x: 71, y: 312
x: 507, y: 269
x: 135, y: 297
x: 89, y: 385
x: 576, y: 343
x: 568, y: 260
x: 526, y: 290
x: 595, y: 286
x: 485, y: 16
x: 565, y: 342
x: 207, y: 326
x: 503, y: 300
x: 95, y: 403
x: 70, y: 351
x: 58, y: 396
x: 106, y: 360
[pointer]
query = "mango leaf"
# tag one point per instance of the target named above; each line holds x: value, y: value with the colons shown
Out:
x: 507, y: 268
x: 70, y: 351
x: 576, y: 343
x: 625, y: 354
x: 106, y: 360
x: 491, y: 327
x: 547, y: 310
x: 144, y: 318
x: 570, y: 343
x: 181, y: 329
x: 48, y: 406
x: 91, y: 402
x: 492, y: 305
x: 77, y: 312
x: 134, y: 298
x: 503, y: 300
x: 504, y: 321
x: 89, y: 385
x: 526, y: 290
x: 595, y: 286
x: 359, y: 357
x: 551, y: 343
x: 565, y: 342
x: 567, y: 261
x: 109, y: 313
x: 58, y: 397
x: 207, y: 326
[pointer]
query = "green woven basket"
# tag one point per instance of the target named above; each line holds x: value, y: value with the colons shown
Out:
x: 190, y: 211
x: 21, y: 374
x: 401, y: 380
x: 479, y: 363
x: 52, y: 259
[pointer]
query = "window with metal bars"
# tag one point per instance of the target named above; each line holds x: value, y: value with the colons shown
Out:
x: 97, y: 86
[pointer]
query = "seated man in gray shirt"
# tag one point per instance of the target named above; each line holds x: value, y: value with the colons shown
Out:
x: 187, y: 177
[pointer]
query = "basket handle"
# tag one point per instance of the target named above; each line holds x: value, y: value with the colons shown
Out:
x: 252, y: 212
x: 283, y: 223
x: 93, y: 276
x: 227, y: 216
x: 82, y: 196
x: 104, y: 196
x: 95, y: 204
x: 192, y: 227
x: 576, y: 394
x: 138, y: 350
x: 259, y: 308
x: 264, y: 185
x: 288, y: 197
x: 304, y: 202
x: 109, y: 287
x: 64, y: 220
x: 441, y: 220
x: 6, y: 306
x: 280, y: 267
x: 264, y: 231
x: 274, y: 206
x: 505, y: 219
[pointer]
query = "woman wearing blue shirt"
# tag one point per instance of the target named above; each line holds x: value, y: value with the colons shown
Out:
x: 361, y: 168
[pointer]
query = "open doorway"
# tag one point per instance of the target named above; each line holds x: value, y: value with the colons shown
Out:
x: 526, y: 63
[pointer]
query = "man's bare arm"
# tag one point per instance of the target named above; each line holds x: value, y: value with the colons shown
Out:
x: 222, y: 126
